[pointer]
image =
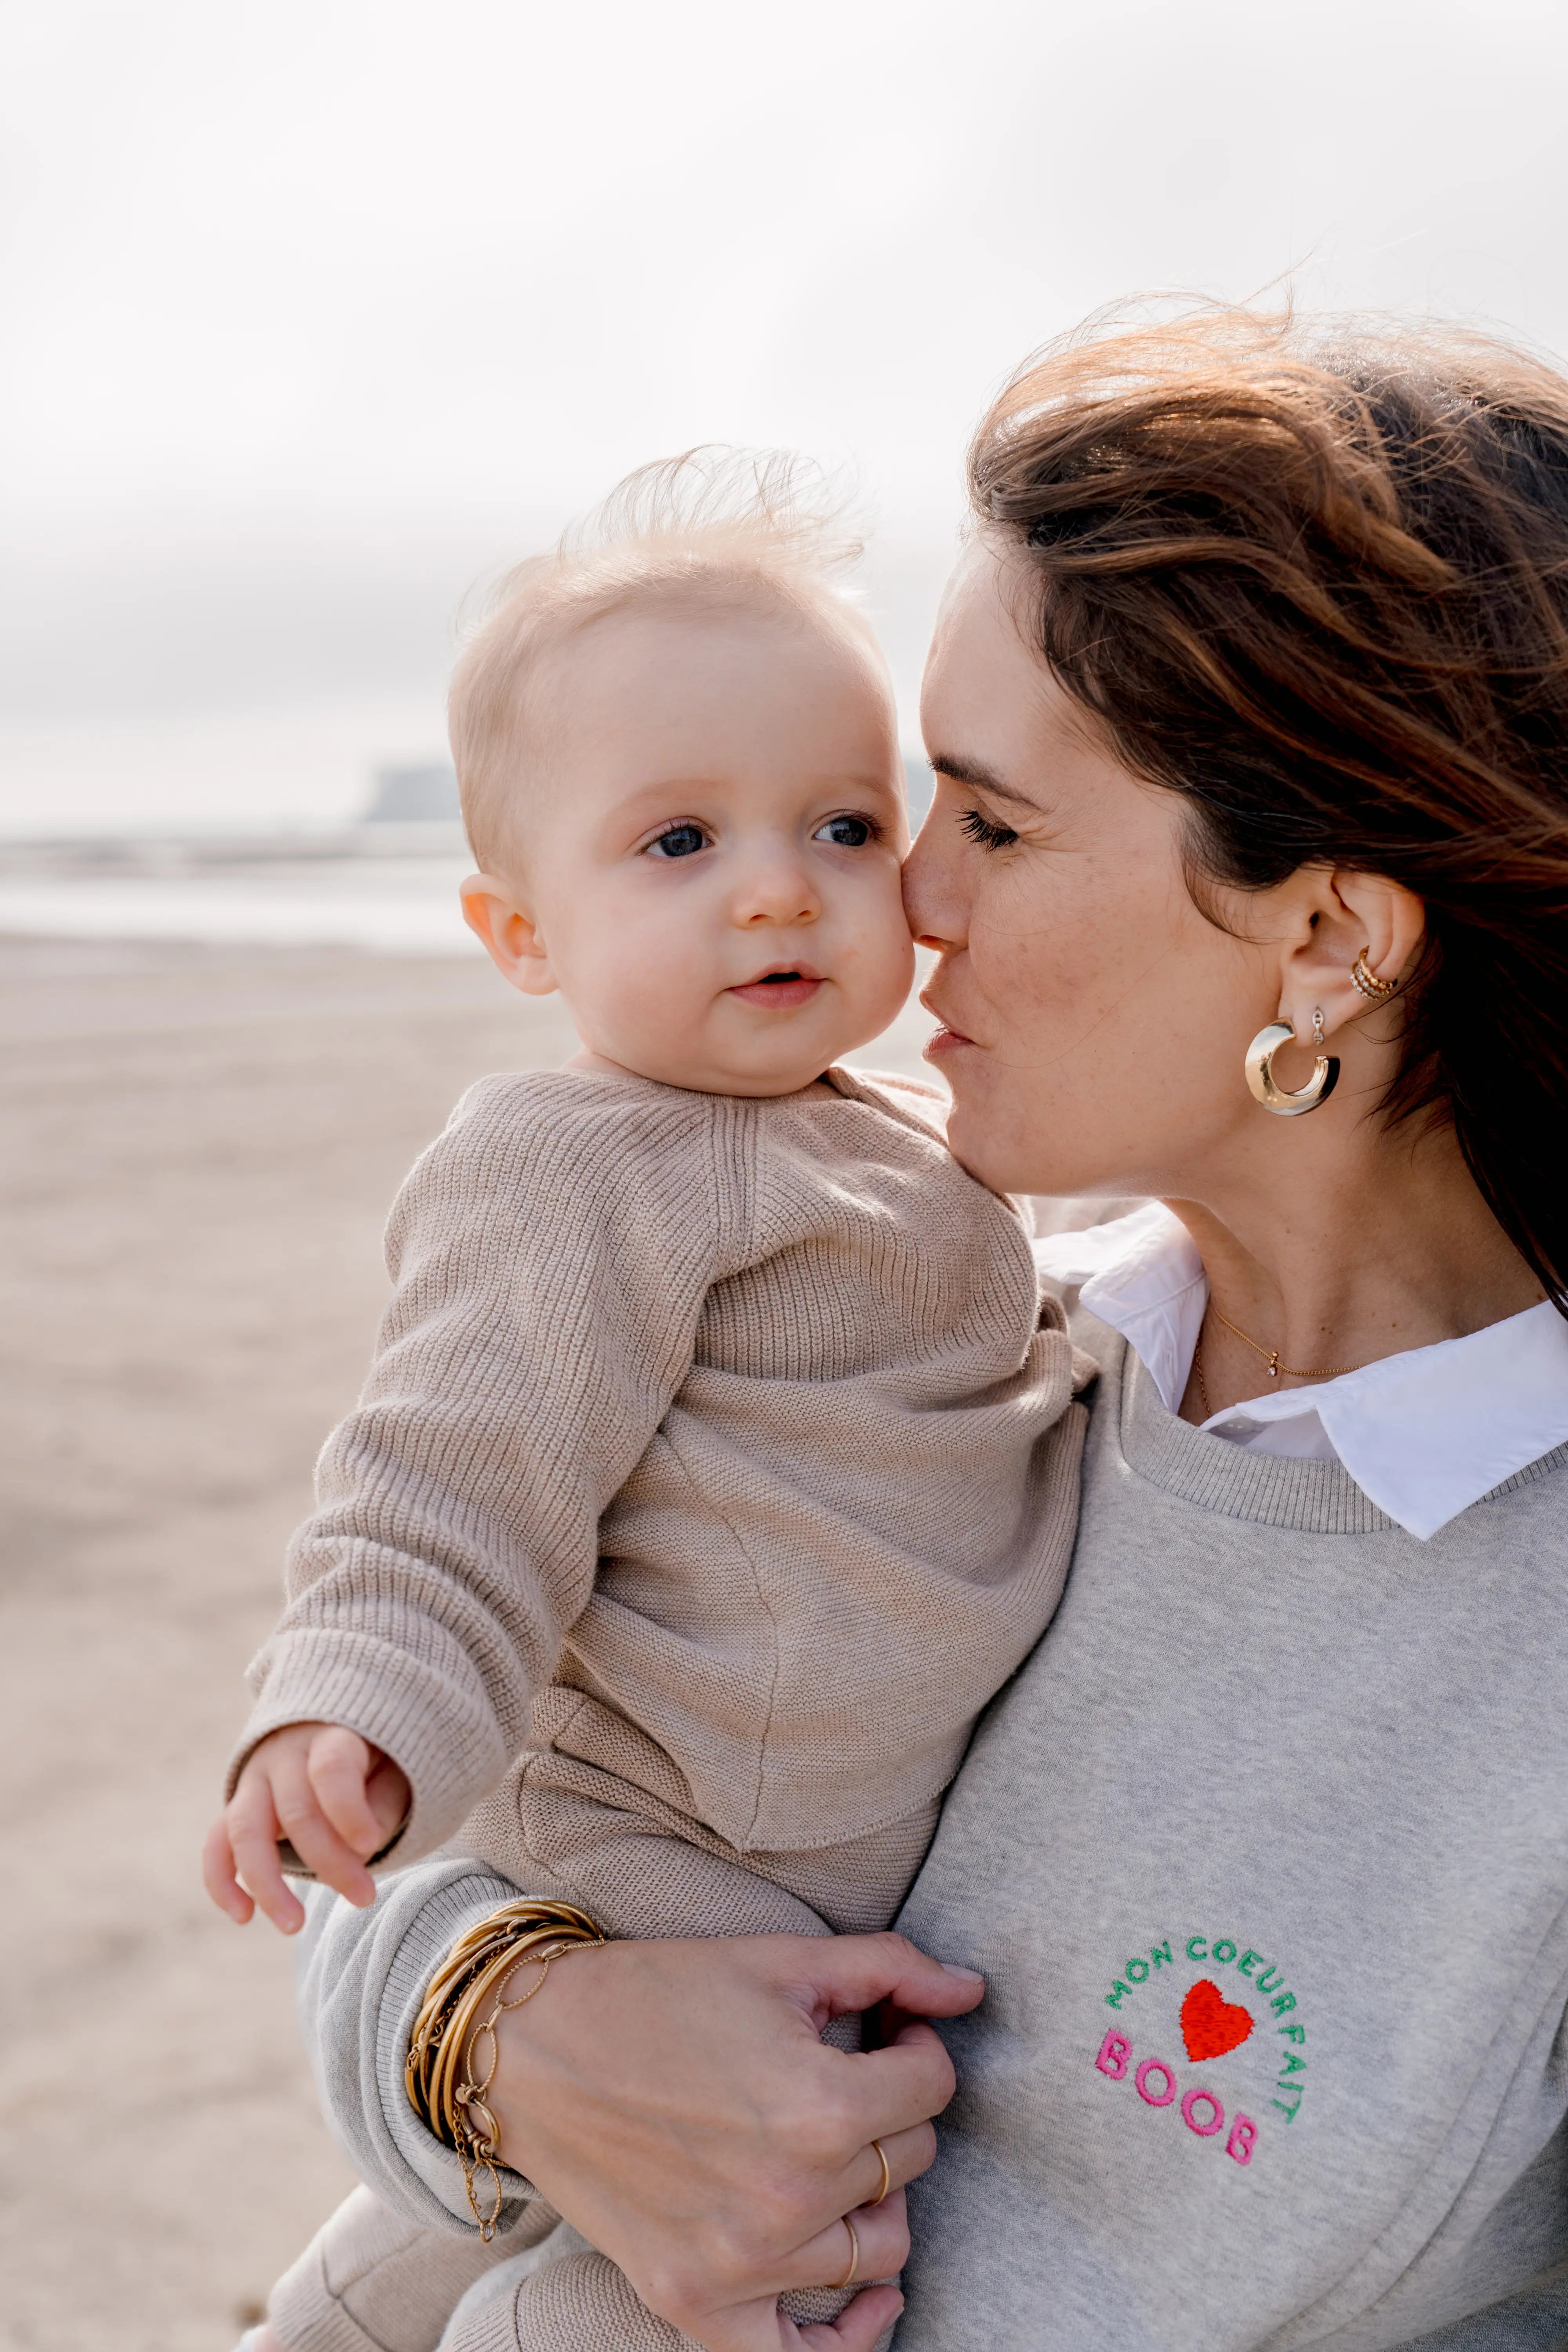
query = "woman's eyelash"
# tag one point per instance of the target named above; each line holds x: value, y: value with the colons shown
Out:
x: 981, y: 829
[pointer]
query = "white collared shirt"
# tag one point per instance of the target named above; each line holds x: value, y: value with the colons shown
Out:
x: 1423, y: 1434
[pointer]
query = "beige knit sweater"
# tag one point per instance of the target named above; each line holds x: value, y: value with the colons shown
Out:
x: 720, y: 1445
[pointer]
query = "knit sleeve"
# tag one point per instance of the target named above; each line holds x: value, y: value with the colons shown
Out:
x: 549, y: 1255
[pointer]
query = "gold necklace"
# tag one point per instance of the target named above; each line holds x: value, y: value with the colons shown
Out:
x: 1271, y: 1356
x: 1203, y: 1384
x: 1197, y: 1365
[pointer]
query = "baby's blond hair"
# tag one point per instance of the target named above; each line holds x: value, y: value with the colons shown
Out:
x: 701, y: 529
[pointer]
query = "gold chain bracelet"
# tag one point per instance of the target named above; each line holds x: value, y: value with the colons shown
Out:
x: 463, y: 2003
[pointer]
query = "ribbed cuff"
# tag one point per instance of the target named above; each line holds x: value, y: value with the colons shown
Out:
x: 442, y: 1738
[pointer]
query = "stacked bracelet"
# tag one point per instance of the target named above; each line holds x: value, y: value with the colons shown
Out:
x: 462, y: 2005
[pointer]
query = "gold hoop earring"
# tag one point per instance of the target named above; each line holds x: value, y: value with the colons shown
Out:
x: 1375, y: 990
x: 1260, y: 1079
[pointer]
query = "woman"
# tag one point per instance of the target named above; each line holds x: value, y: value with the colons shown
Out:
x: 1248, y: 874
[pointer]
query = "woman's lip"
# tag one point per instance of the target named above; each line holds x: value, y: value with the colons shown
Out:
x: 783, y: 995
x: 946, y: 1034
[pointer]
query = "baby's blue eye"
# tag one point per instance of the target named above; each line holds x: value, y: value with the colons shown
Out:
x: 681, y: 841
x: 845, y: 832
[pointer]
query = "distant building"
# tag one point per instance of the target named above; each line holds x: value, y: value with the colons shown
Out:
x: 426, y: 793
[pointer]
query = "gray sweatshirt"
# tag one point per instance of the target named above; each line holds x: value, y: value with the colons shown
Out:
x: 1264, y: 1853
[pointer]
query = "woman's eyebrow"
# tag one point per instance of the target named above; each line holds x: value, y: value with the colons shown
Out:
x: 972, y: 771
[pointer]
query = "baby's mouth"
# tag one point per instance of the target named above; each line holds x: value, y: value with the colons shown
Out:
x: 783, y: 988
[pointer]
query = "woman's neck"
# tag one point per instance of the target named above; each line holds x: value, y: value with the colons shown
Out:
x: 1333, y: 1265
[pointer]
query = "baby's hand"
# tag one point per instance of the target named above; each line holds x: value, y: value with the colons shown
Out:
x: 335, y: 1798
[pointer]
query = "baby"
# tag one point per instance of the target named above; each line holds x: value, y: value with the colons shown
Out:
x: 716, y: 1462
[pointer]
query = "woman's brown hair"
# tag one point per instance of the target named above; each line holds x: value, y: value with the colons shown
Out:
x: 1317, y: 582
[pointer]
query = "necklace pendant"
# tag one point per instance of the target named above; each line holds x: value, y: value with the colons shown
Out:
x: 1274, y: 1364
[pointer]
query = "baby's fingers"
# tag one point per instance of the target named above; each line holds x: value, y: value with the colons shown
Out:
x: 313, y: 1836
x: 251, y: 1827
x: 340, y: 1766
x: 218, y: 1874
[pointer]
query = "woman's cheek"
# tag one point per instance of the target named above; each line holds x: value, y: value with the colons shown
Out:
x: 1051, y: 964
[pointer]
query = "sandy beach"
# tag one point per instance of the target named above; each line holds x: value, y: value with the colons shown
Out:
x: 200, y: 1147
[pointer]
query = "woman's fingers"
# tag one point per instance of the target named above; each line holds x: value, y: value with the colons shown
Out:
x: 882, y: 2247
x: 762, y: 2326
x: 882, y: 2093
x: 909, y: 2153
x: 673, y: 2100
x: 857, y: 2329
x: 849, y: 1973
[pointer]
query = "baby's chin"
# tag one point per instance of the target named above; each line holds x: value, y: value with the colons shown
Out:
x: 787, y: 1069
x: 748, y: 1085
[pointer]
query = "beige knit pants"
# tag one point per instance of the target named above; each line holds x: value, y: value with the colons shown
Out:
x: 371, y: 2282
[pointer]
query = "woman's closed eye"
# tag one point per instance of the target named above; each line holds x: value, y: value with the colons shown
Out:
x: 848, y: 831
x: 677, y: 841
x: 983, y: 830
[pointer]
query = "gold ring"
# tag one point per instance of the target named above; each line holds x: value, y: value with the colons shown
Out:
x: 887, y: 2177
x: 848, y: 2277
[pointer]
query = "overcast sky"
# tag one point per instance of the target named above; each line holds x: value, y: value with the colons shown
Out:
x: 314, y: 313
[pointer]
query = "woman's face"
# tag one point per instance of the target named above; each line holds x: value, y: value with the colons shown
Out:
x: 1095, y: 1023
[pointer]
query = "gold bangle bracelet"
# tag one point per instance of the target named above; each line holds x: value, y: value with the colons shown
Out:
x: 464, y: 2002
x: 520, y: 1931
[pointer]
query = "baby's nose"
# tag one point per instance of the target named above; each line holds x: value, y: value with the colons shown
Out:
x: 778, y: 894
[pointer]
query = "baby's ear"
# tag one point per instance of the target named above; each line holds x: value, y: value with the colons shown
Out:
x: 494, y: 911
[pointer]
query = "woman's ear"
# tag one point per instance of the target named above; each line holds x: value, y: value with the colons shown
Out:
x: 1343, y: 916
x: 496, y: 912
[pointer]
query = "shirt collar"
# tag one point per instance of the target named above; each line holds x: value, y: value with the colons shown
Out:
x: 1423, y: 1434
x: 1143, y: 1275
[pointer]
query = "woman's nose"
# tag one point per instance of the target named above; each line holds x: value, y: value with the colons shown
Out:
x: 931, y: 898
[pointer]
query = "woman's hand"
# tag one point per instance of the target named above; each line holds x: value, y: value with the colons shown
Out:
x: 674, y: 2102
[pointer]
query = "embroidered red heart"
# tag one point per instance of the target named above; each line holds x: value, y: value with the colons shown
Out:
x: 1210, y: 2024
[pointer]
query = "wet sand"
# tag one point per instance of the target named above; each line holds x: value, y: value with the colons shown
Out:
x: 198, y: 1151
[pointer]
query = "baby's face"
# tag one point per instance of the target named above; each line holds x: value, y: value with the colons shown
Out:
x: 708, y: 852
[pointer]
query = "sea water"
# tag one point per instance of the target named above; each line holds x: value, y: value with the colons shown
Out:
x: 387, y: 906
